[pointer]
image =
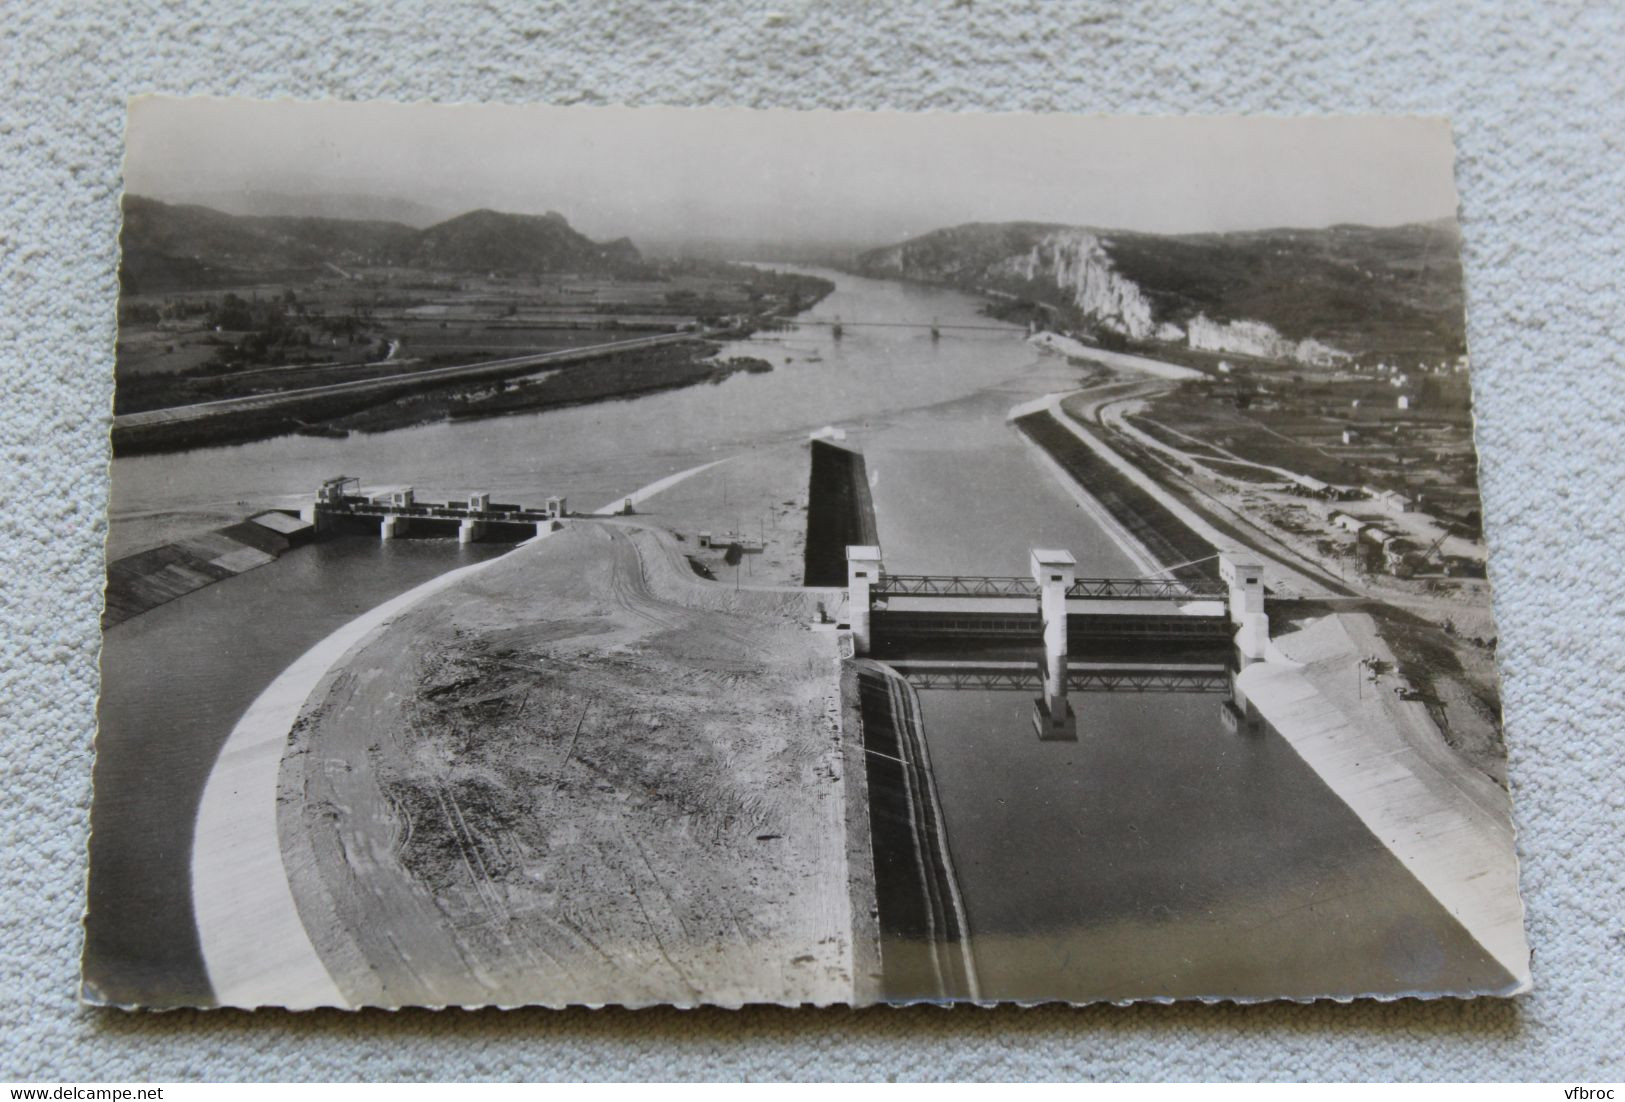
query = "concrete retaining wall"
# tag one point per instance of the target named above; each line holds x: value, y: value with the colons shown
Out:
x: 839, y: 512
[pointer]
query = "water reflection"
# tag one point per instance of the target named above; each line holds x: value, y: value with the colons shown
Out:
x: 1163, y: 853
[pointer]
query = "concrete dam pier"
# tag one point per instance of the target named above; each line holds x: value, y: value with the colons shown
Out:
x: 339, y: 505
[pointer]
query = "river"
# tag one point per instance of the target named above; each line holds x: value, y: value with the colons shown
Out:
x: 1159, y: 854
x: 594, y: 453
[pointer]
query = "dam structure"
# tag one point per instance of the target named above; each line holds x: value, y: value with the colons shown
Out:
x: 340, y: 505
x: 907, y: 614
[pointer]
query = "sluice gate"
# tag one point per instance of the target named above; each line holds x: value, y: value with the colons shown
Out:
x: 397, y: 513
x: 1090, y: 678
x: 885, y: 616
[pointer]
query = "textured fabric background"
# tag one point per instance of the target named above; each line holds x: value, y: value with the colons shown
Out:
x: 1538, y: 102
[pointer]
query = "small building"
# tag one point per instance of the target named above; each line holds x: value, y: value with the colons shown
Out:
x: 1403, y: 402
x: 293, y: 530
x: 557, y: 507
x: 1352, y: 436
x: 1346, y: 522
x: 1394, y: 501
x: 1309, y: 486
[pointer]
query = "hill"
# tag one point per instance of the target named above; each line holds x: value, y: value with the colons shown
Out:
x: 1316, y: 296
x: 486, y: 239
x: 178, y: 246
x: 354, y: 206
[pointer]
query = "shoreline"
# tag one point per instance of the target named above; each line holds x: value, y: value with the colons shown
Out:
x: 237, y: 856
x: 255, y: 947
x: 1457, y: 843
x: 921, y: 921
x: 657, y: 833
x: 1452, y: 833
x: 1137, y: 552
x: 1074, y: 349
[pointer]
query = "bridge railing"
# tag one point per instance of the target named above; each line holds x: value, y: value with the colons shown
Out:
x: 1105, y: 589
x: 1080, y: 681
x: 946, y: 585
x: 1147, y: 589
x: 449, y: 511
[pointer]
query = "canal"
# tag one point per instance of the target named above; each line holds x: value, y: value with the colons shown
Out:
x: 175, y: 679
x: 1164, y: 853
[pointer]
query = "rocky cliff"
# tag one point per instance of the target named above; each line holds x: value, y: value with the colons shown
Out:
x: 1075, y: 262
x: 1313, y: 297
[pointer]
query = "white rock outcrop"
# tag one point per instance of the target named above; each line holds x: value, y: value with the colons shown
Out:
x: 1076, y: 262
x: 1256, y: 338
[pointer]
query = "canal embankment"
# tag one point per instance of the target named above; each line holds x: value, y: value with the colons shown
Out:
x: 147, y: 579
x: 924, y: 936
x: 584, y: 776
x: 174, y: 682
x: 255, y: 945
x: 840, y: 512
x: 1448, y: 824
x: 1177, y: 546
x: 1075, y: 350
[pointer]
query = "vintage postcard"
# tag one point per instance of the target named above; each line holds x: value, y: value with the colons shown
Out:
x: 711, y: 557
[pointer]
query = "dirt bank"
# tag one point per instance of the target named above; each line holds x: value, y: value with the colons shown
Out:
x: 584, y: 776
x: 758, y: 495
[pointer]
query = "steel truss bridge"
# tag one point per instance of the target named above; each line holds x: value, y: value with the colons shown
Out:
x: 1029, y: 627
x: 366, y: 507
x: 1090, y: 679
x: 1099, y: 589
x: 831, y: 323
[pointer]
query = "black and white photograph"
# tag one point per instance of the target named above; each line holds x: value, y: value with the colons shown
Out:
x: 640, y: 556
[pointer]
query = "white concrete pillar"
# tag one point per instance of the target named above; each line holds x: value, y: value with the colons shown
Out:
x: 312, y: 514
x: 1055, y: 572
x: 470, y: 530
x: 391, y: 527
x: 1237, y: 712
x: 863, y: 570
x: 1244, y: 576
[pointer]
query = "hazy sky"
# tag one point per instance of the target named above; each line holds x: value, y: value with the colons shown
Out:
x: 673, y: 173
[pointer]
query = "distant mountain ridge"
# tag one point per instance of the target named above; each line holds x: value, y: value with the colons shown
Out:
x: 1315, y: 297
x: 177, y: 246
x: 517, y: 242
x: 355, y: 206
